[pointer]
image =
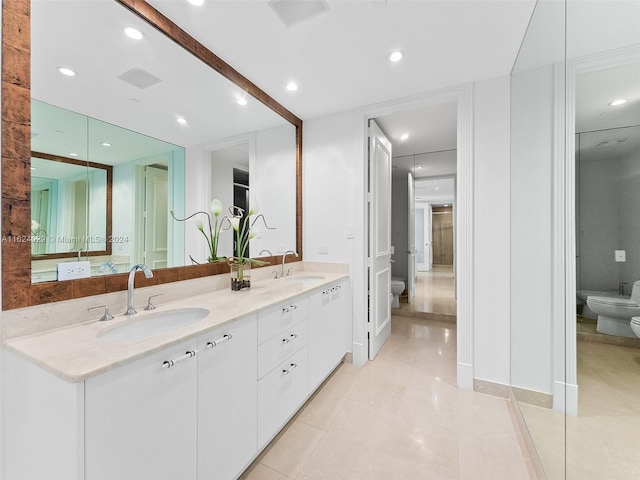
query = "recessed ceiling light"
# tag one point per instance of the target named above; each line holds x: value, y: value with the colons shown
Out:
x: 73, y: 154
x: 396, y: 56
x: 404, y: 136
x: 241, y: 101
x: 437, y: 188
x: 66, y: 71
x: 419, y: 167
x: 181, y: 120
x: 292, y: 87
x: 435, y: 183
x: 133, y: 33
x: 197, y: 3
x: 617, y: 102
x: 105, y: 144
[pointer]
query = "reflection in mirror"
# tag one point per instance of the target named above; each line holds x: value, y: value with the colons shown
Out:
x: 171, y: 128
x: 68, y: 206
x: 574, y: 371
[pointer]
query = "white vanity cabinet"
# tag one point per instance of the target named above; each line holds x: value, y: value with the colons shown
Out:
x: 282, y: 365
x: 141, y: 418
x: 329, y: 330
x: 227, y: 400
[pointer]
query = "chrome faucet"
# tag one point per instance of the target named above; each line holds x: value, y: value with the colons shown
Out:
x: 107, y: 266
x: 132, y: 275
x: 265, y: 250
x: 284, y: 256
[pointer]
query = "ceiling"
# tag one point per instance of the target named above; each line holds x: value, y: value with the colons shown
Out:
x: 339, y: 58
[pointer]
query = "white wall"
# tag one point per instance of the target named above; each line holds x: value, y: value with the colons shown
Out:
x: 531, y: 229
x: 491, y: 230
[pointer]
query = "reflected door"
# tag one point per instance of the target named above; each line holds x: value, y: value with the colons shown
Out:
x: 424, y: 248
x: 155, y: 231
x: 442, y: 221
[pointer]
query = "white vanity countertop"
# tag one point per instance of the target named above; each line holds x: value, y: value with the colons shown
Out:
x: 76, y: 353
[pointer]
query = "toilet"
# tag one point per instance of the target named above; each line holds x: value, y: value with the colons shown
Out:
x: 635, y: 325
x: 397, y: 287
x: 615, y: 314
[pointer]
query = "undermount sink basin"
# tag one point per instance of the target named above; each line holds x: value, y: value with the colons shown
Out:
x: 303, y: 278
x: 154, y: 324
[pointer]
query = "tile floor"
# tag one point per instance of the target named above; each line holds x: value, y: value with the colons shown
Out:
x: 399, y: 417
x: 434, y: 292
x: 602, y: 441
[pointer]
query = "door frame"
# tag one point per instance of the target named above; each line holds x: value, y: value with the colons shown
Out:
x: 463, y: 95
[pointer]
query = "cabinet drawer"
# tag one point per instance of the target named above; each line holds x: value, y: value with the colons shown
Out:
x: 276, y: 319
x: 282, y: 346
x: 280, y: 393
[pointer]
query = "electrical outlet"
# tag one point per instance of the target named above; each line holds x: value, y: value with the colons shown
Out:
x: 74, y: 270
x: 323, y: 250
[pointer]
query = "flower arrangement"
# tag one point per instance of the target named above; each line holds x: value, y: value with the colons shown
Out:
x: 243, y: 225
x: 212, y: 232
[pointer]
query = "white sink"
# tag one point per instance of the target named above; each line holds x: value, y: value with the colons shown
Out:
x: 303, y: 278
x: 154, y: 324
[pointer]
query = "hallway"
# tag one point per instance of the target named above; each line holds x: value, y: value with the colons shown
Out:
x: 435, y: 292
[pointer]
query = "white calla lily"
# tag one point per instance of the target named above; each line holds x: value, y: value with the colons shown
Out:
x: 235, y: 223
x: 216, y: 207
x: 199, y: 224
x: 255, y: 208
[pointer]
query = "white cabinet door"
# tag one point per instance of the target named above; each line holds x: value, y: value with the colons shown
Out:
x: 141, y: 419
x: 281, y: 393
x: 329, y: 331
x: 227, y: 400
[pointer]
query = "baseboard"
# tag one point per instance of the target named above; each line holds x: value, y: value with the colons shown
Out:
x: 528, y: 448
x: 491, y: 388
x: 465, y: 376
x: 532, y: 397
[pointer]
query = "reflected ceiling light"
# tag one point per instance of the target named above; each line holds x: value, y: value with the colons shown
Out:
x: 446, y: 204
x: 396, y: 56
x: 437, y: 188
x: 133, y: 33
x: 419, y: 167
x: 292, y: 86
x: 181, y: 120
x: 404, y: 136
x: 241, y: 101
x: 66, y: 71
x: 617, y: 102
x: 105, y: 144
x: 73, y: 154
x: 33, y: 168
x: 197, y: 3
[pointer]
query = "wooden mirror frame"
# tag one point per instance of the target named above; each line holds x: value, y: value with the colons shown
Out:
x: 108, y: 213
x: 17, y: 289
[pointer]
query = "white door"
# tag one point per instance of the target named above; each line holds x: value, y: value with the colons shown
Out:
x: 425, y: 260
x: 411, y: 236
x: 379, y: 239
x: 156, y: 210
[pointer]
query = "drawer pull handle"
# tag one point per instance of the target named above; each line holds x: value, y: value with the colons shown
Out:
x: 293, y: 336
x: 289, y: 308
x: 287, y: 371
x: 338, y: 287
x: 215, y: 343
x: 171, y: 363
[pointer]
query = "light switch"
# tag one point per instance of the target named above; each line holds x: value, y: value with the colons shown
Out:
x: 621, y: 255
x: 350, y: 231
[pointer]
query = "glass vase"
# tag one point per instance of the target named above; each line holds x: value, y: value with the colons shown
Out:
x: 240, y: 275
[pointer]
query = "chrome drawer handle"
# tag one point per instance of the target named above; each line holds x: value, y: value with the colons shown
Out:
x: 171, y: 363
x: 289, y: 308
x: 293, y: 336
x: 224, y: 338
x: 287, y: 371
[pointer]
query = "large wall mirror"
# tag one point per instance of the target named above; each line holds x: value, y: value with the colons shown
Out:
x: 123, y: 134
